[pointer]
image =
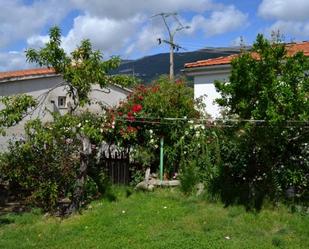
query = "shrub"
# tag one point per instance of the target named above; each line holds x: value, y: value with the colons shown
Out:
x: 265, y: 158
x: 44, y: 167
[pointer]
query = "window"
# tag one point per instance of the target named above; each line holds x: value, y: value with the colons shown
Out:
x: 62, y: 101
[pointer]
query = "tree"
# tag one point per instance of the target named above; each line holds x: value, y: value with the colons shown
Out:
x: 14, y: 110
x: 267, y: 156
x: 80, y: 70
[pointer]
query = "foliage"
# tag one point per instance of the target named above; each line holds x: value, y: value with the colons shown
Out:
x: 149, y: 113
x: 53, y: 161
x: 14, y: 109
x: 269, y: 156
x: 80, y: 70
x: 200, y: 155
x: 44, y: 166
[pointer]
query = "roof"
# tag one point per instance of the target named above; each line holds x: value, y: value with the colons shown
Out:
x: 292, y: 48
x: 26, y: 73
x: 37, y: 73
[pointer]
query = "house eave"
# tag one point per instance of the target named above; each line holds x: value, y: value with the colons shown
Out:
x: 207, y: 70
x: 31, y: 77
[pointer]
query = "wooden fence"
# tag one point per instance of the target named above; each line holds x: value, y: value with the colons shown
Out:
x: 117, y: 166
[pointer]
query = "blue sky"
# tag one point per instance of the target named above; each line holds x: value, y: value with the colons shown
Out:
x: 124, y: 27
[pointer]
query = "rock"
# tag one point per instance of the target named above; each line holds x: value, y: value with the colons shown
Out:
x: 200, y: 189
x: 141, y: 186
x: 151, y: 187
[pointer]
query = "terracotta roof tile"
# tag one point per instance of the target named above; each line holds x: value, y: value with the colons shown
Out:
x: 291, y: 49
x: 26, y: 73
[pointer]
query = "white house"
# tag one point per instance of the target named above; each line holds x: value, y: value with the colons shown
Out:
x: 47, y: 86
x: 205, y: 72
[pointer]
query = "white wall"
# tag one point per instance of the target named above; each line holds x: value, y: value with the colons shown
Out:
x: 37, y: 87
x: 204, y: 87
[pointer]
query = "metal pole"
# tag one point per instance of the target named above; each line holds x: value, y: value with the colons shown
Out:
x: 171, y: 59
x: 161, y: 159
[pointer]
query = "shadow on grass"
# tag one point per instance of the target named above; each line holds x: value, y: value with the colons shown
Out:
x: 5, y: 221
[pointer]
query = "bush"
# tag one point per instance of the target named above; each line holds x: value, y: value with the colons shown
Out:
x: 44, y: 167
x: 266, y: 154
x: 141, y: 120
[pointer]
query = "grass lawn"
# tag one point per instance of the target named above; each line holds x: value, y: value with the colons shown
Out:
x: 163, y: 219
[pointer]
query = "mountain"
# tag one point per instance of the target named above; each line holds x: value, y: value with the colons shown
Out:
x: 150, y: 67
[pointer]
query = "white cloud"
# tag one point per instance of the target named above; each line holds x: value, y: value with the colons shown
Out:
x: 219, y: 22
x: 13, y: 60
x: 291, y: 28
x: 112, y: 26
x: 129, y: 8
x: 105, y: 34
x: 37, y: 41
x: 19, y: 21
x: 291, y: 17
x: 146, y: 39
x: 288, y: 10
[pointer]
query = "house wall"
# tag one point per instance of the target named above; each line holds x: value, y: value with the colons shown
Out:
x: 38, y: 87
x: 204, y: 87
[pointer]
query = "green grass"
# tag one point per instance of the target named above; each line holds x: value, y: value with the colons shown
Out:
x: 163, y: 219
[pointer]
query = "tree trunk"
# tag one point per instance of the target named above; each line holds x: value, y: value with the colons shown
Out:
x: 77, y: 198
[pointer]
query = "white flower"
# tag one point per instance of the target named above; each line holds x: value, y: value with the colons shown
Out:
x: 150, y: 131
x: 185, y: 117
x: 151, y: 141
x: 186, y: 133
x: 156, y: 146
x: 79, y: 125
x: 123, y: 211
x: 101, y: 130
x: 190, y: 121
x: 227, y: 237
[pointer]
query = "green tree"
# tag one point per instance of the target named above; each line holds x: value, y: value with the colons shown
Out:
x: 14, y: 110
x: 80, y: 70
x: 266, y: 157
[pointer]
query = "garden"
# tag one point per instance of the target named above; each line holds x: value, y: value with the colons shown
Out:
x: 244, y: 178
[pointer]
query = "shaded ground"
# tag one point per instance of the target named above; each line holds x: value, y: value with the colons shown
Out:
x: 163, y: 219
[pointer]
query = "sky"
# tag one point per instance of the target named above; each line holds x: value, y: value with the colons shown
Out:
x: 127, y: 28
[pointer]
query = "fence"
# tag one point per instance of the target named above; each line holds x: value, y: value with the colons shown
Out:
x: 117, y: 166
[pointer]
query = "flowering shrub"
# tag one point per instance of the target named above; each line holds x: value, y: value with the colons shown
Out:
x: 200, y: 155
x: 147, y: 115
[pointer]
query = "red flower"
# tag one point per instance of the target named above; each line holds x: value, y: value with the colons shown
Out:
x: 130, y: 116
x: 154, y: 89
x: 137, y: 108
x: 131, y: 129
